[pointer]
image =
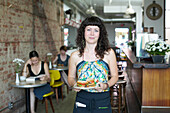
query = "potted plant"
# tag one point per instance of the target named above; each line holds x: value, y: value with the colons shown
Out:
x: 131, y: 44
x: 157, y: 49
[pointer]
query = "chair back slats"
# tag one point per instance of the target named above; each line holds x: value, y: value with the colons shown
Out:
x: 55, y: 75
x: 52, y: 80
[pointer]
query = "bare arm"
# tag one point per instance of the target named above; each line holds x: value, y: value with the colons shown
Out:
x: 56, y: 58
x: 72, y: 69
x: 111, y: 58
x: 113, y: 68
x: 25, y: 71
x: 47, y: 77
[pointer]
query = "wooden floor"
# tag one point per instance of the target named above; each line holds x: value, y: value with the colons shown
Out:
x: 132, y: 105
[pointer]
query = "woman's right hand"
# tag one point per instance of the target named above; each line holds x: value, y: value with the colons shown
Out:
x: 28, y: 62
x: 25, y: 70
x: 76, y: 90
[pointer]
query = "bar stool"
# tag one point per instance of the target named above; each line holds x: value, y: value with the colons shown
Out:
x: 118, y: 97
x: 121, y: 77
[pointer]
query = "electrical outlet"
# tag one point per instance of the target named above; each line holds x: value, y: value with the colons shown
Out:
x: 10, y: 105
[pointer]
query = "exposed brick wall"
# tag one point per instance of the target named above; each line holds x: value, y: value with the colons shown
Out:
x: 25, y: 26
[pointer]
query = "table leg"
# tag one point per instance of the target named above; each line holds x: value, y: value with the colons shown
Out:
x: 27, y: 96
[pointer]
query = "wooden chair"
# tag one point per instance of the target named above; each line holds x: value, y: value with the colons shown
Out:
x: 118, y: 97
x: 55, y: 76
x: 46, y: 97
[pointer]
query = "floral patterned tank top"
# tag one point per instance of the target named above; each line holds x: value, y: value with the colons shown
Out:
x: 98, y: 70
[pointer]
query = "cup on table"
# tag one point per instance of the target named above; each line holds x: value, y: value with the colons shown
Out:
x: 54, y: 65
x: 22, y: 78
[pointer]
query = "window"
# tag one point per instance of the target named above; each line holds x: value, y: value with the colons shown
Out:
x: 66, y: 36
x: 121, y: 38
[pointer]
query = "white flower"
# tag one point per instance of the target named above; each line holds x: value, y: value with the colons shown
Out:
x: 150, y: 43
x: 148, y: 49
x: 154, y: 48
x: 49, y: 54
x: 161, y: 43
x: 164, y: 48
x: 17, y: 62
x: 157, y: 47
x: 160, y: 50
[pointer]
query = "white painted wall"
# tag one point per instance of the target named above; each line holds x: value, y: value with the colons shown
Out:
x: 157, y: 24
x: 138, y: 10
x: 111, y: 30
x: 139, y: 18
x: 109, y: 27
x: 167, y: 22
x: 72, y: 35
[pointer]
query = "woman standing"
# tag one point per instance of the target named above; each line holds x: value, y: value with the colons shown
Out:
x: 94, y: 59
x: 34, y: 67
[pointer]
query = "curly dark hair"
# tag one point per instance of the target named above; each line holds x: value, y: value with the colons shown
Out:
x: 103, y: 42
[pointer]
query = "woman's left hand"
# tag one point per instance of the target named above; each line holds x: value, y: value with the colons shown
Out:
x: 43, y: 77
x: 100, y: 87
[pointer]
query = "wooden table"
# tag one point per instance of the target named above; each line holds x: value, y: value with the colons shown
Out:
x: 60, y: 68
x: 27, y: 86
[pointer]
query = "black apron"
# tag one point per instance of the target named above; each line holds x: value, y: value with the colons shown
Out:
x: 87, y: 102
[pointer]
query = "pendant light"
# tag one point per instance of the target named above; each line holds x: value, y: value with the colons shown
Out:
x: 91, y: 10
x: 110, y: 1
x: 129, y: 9
x: 126, y: 16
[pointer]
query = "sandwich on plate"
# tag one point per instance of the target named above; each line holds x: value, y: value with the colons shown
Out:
x: 88, y: 83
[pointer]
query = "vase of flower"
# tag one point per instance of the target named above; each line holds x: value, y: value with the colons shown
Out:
x: 18, y: 64
x: 157, y: 49
x: 17, y: 78
x: 50, y: 65
x: 157, y: 58
x: 49, y: 55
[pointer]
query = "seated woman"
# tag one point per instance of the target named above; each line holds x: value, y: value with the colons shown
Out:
x: 62, y: 58
x: 34, y: 67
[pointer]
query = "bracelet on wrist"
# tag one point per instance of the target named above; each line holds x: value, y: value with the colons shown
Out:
x: 107, y: 85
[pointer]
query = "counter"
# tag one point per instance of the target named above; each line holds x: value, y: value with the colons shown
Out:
x: 150, y: 83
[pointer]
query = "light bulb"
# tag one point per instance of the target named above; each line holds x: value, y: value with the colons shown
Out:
x: 130, y: 10
x: 90, y: 10
x: 126, y: 16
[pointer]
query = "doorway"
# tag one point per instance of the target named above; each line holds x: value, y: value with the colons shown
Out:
x: 121, y: 37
